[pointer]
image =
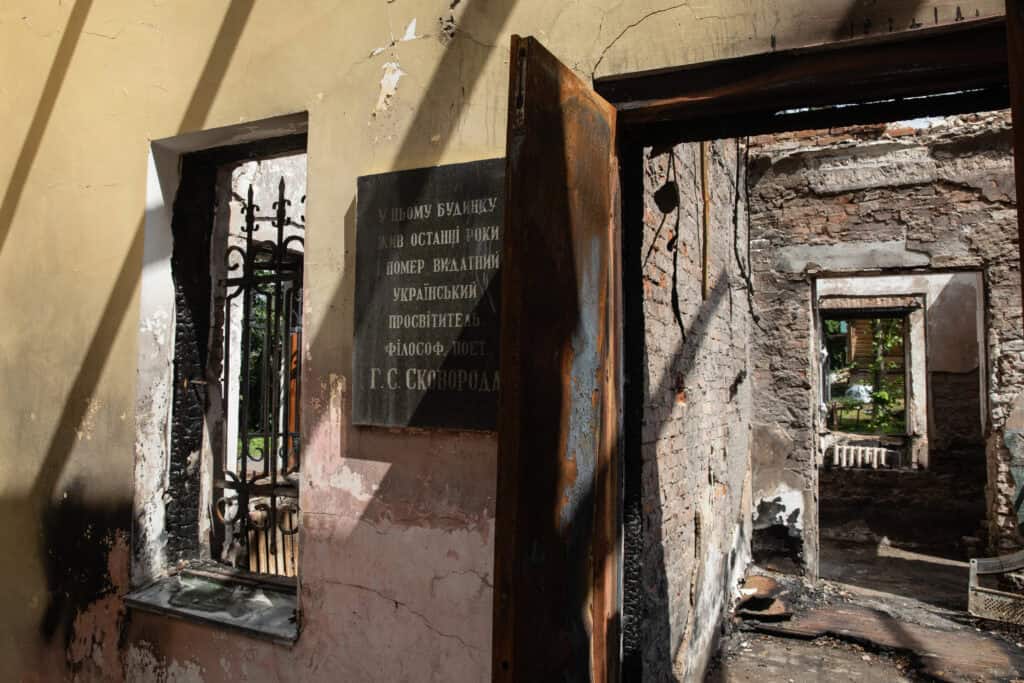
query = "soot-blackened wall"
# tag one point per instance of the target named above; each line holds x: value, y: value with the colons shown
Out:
x: 696, y: 403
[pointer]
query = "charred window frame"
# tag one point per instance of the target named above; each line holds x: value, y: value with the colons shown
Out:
x: 206, y: 521
x: 235, y: 447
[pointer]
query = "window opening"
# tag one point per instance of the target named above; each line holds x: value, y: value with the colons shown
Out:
x: 866, y: 381
x: 256, y: 477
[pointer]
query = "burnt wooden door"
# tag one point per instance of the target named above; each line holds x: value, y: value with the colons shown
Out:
x: 556, y: 610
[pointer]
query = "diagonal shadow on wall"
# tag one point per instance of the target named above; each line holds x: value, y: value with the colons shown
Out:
x: 424, y: 472
x: 76, y: 578
x: 41, y: 117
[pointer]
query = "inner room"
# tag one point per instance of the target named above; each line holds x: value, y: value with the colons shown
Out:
x: 886, y: 280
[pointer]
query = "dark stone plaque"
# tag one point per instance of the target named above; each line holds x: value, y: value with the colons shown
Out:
x: 428, y: 246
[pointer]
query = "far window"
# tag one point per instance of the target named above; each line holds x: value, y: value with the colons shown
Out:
x: 873, y: 376
x: 867, y: 373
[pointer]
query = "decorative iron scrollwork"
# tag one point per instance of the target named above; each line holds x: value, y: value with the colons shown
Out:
x: 256, y: 487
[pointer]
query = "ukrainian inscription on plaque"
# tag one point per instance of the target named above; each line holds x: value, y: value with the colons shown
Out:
x: 428, y: 247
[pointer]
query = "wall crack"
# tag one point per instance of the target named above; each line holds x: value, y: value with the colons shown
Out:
x: 630, y: 27
x: 405, y: 606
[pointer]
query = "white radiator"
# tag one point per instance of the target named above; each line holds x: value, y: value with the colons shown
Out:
x: 850, y: 456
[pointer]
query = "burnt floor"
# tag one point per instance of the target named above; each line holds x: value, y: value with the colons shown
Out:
x: 891, y: 602
x: 759, y: 658
x: 839, y: 632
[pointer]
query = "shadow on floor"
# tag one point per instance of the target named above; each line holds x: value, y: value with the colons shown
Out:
x: 883, y: 568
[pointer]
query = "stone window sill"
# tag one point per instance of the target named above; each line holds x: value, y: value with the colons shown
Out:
x: 264, y: 611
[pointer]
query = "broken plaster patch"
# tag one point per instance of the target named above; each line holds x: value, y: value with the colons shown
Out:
x: 354, y: 483
x: 780, y: 507
x: 142, y: 664
x: 388, y: 85
x: 410, y: 32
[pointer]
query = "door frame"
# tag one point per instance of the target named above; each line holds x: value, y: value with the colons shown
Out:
x: 964, y: 67
x: 950, y: 68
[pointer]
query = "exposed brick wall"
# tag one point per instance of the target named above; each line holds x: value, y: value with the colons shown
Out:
x: 696, y: 412
x: 896, y: 197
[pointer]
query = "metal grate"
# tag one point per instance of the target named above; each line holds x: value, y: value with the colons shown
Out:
x: 256, y: 482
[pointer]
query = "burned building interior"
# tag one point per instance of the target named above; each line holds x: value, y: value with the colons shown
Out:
x: 866, y: 325
x: 899, y: 351
x: 700, y: 357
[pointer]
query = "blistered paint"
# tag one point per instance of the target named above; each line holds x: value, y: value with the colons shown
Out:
x: 584, y: 380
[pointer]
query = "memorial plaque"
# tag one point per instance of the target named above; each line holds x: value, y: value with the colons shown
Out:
x: 428, y: 247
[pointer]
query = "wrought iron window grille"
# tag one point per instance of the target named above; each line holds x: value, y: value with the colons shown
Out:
x: 256, y: 513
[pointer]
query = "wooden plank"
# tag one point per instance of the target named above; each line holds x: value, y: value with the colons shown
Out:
x: 1015, y: 62
x: 954, y: 57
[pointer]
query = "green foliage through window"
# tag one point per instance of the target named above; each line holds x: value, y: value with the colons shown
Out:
x: 878, y: 406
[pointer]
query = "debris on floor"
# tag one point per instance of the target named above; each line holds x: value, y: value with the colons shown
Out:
x: 760, y: 658
x: 840, y: 632
x: 759, y: 599
x: 955, y: 654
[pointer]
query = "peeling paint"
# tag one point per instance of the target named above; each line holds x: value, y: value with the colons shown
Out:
x: 158, y: 325
x: 388, y: 85
x: 410, y: 32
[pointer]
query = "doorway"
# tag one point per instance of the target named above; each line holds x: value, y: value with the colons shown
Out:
x: 650, y: 111
x: 901, y: 457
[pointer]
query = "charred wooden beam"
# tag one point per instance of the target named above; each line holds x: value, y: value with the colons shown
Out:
x: 965, y: 56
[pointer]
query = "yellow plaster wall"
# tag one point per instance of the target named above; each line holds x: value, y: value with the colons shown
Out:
x: 86, y: 84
